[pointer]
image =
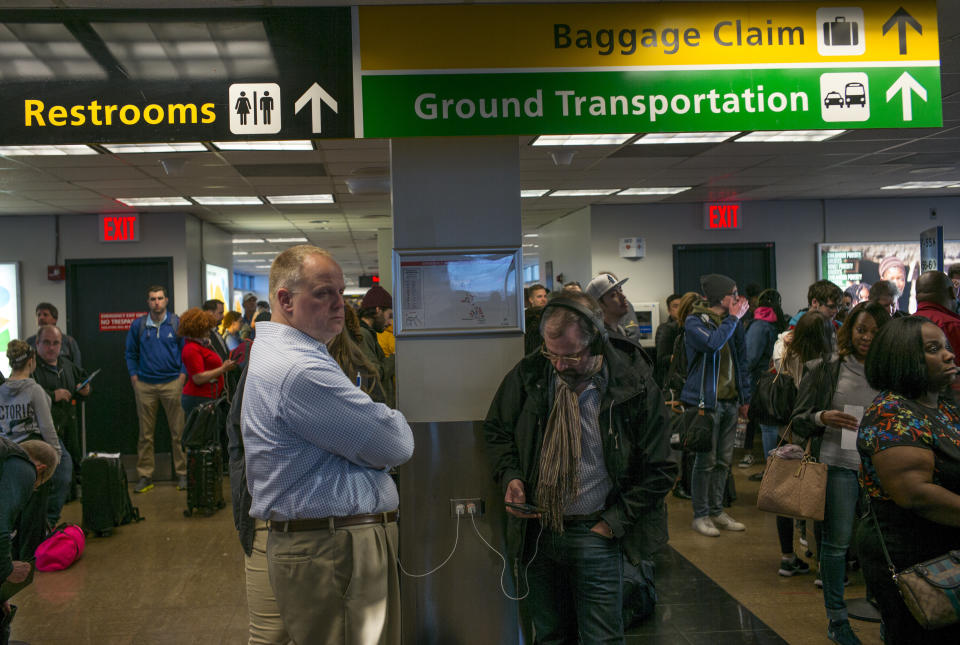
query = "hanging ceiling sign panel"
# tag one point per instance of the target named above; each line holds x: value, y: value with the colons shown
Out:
x: 171, y: 76
x: 623, y: 68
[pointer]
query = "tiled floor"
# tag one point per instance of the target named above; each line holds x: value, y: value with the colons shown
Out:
x: 177, y: 580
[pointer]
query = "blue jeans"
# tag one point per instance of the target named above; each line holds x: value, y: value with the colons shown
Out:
x: 61, y: 480
x: 710, y: 469
x: 838, y: 515
x: 576, y: 584
x: 769, y: 437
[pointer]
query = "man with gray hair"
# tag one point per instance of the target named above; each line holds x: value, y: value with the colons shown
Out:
x: 318, y: 455
x: 580, y: 434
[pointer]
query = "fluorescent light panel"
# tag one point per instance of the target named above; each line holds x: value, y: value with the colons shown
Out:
x: 153, y: 201
x: 922, y: 185
x: 248, y: 260
x: 534, y: 193
x: 36, y: 151
x: 586, y: 192
x: 655, y: 190
x: 581, y: 139
x: 280, y: 240
x: 263, y: 252
x: 300, y: 199
x: 230, y: 200
x: 241, y: 252
x: 684, y: 137
x: 248, y: 240
x: 124, y: 148
x: 782, y: 136
x: 299, y: 144
x: 532, y: 235
x: 262, y: 266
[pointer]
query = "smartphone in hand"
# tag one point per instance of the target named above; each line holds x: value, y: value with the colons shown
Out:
x: 529, y: 509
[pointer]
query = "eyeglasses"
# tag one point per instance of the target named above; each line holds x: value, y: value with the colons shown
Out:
x: 556, y: 358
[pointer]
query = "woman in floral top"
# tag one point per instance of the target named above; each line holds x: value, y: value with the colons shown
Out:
x: 909, y: 444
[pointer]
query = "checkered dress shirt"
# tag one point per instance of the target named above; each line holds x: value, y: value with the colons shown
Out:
x: 316, y: 445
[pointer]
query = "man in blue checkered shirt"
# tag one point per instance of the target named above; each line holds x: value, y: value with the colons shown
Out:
x: 318, y: 455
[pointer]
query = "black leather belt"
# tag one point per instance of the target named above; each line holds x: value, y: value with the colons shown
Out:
x: 330, y: 523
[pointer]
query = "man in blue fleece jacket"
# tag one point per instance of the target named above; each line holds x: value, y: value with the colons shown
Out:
x: 157, y: 374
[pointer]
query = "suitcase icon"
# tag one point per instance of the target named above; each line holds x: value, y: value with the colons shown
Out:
x: 841, y: 33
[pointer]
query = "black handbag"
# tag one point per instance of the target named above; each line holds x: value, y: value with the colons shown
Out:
x: 775, y: 396
x: 696, y: 426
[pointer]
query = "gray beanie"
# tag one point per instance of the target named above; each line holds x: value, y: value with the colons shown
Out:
x: 716, y: 286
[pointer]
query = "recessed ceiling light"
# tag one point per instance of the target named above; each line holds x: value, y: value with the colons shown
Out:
x: 534, y: 193
x: 532, y: 235
x: 780, y: 136
x: 153, y: 201
x: 922, y: 185
x: 684, y: 137
x: 279, y: 240
x: 586, y: 192
x: 228, y: 200
x: 122, y: 148
x: 299, y: 144
x: 581, y: 139
x: 31, y: 151
x: 300, y: 199
x: 248, y: 240
x: 655, y: 190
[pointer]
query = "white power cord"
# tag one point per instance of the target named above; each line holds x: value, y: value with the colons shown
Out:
x: 503, y: 571
x: 437, y: 568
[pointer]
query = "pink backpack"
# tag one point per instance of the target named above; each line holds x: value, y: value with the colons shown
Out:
x: 61, y: 549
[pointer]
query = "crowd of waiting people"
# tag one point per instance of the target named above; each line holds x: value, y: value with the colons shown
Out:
x: 577, y: 436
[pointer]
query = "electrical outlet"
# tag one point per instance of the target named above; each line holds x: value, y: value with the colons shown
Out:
x: 477, y: 503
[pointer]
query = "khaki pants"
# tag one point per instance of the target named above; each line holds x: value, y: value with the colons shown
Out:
x: 149, y: 395
x: 337, y: 586
x: 266, y: 626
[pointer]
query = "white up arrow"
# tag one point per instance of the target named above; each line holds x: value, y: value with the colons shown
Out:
x: 315, y: 95
x: 906, y: 84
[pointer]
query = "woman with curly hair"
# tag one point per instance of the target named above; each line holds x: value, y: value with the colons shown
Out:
x: 205, y: 370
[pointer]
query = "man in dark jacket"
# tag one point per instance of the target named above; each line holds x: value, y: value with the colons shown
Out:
x: 716, y: 356
x: 579, y: 431
x: 666, y: 336
x: 373, y: 311
x: 59, y: 378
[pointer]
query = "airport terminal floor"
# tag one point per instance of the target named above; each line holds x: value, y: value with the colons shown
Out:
x: 177, y: 580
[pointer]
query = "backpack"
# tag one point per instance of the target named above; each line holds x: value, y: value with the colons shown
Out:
x: 205, y: 423
x: 677, y: 372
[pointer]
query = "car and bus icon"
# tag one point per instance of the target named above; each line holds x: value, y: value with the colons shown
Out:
x: 853, y: 94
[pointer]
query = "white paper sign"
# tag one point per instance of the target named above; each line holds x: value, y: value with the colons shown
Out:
x: 848, y: 439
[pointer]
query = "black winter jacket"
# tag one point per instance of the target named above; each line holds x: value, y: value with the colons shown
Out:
x: 816, y: 390
x: 636, y: 446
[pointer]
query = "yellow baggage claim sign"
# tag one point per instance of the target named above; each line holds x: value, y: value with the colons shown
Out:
x: 612, y: 68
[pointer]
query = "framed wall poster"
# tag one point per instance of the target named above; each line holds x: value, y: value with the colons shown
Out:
x: 10, y: 320
x: 456, y: 291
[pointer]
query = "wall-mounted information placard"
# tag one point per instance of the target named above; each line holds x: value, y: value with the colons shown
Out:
x: 453, y: 291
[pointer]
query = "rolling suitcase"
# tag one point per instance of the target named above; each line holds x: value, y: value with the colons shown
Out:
x: 105, y: 499
x: 204, y: 480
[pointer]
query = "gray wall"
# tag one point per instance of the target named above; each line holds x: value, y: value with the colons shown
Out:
x: 794, y: 226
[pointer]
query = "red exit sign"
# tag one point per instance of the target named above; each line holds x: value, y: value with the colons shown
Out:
x: 119, y: 228
x: 721, y: 215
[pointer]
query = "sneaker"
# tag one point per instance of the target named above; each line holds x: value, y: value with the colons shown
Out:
x: 143, y: 485
x: 793, y: 567
x: 746, y: 462
x: 818, y: 582
x: 726, y: 522
x: 756, y: 477
x: 840, y: 631
x: 704, y: 526
x: 680, y: 492
x: 182, y: 482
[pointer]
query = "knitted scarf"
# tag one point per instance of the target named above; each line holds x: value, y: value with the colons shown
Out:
x: 559, y: 482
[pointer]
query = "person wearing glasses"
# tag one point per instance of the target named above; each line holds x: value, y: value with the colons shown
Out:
x: 717, y: 361
x: 579, y: 434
